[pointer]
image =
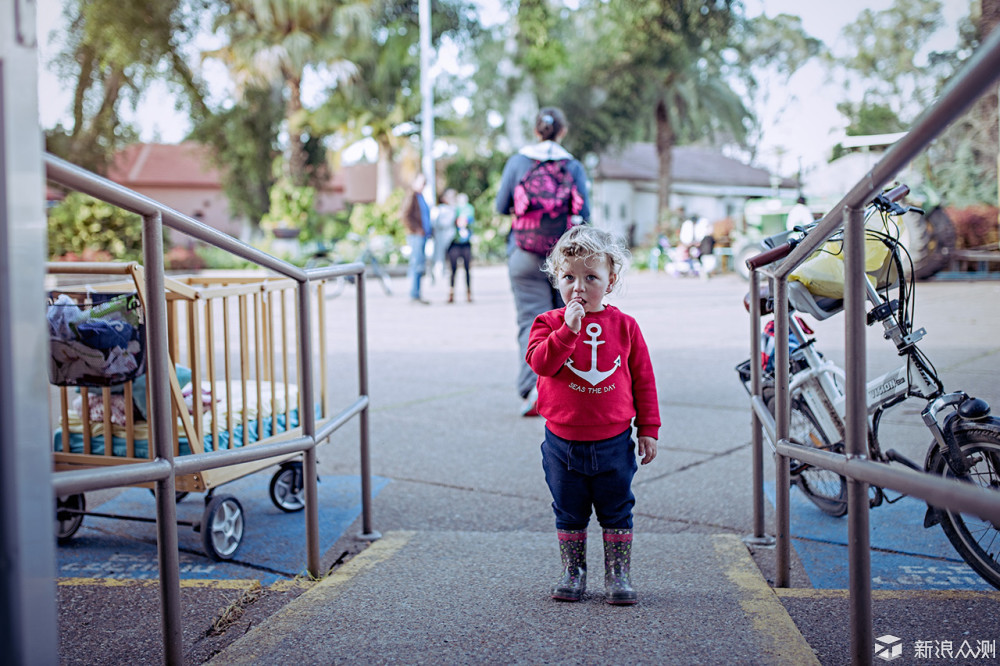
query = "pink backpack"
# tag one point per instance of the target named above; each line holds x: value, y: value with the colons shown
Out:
x: 544, y: 201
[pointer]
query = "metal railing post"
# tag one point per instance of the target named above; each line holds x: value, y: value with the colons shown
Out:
x: 367, y: 531
x: 28, y: 613
x: 782, y: 410
x: 856, y: 437
x: 158, y: 362
x: 757, y: 436
x: 309, y: 430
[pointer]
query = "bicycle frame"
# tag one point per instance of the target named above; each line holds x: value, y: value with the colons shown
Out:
x: 818, y: 383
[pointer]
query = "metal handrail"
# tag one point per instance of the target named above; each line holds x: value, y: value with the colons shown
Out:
x: 972, y: 81
x: 163, y: 468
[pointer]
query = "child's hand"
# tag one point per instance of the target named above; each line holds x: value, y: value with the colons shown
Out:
x: 647, y: 449
x: 574, y: 315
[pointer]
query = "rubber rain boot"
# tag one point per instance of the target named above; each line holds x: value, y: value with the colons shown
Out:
x: 617, y: 564
x: 573, y: 549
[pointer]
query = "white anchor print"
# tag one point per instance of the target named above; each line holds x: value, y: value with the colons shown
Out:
x: 594, y: 376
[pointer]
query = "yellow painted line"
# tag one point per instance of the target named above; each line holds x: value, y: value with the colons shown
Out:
x: 928, y: 595
x: 294, y: 584
x: 267, y: 637
x: 193, y: 583
x: 766, y: 613
x: 237, y: 584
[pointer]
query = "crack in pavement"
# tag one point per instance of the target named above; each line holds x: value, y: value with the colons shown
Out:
x: 682, y: 468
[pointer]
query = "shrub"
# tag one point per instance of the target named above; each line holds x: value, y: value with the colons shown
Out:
x: 381, y: 219
x: 81, y: 226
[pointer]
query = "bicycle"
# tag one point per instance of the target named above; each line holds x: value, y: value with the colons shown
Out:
x: 325, y: 255
x: 966, y: 441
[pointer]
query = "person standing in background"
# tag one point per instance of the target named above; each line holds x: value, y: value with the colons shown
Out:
x: 799, y: 215
x: 444, y: 229
x: 461, y: 245
x: 417, y: 219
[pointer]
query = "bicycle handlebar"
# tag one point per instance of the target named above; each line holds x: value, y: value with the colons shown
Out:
x: 885, y: 201
x: 897, y: 193
x: 772, y: 255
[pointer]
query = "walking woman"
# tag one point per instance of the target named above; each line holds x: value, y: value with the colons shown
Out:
x: 541, y: 175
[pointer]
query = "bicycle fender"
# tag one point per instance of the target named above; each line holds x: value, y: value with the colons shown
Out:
x: 933, y: 516
x: 953, y: 455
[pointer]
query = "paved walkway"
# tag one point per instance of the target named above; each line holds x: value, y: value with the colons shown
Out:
x: 479, y: 597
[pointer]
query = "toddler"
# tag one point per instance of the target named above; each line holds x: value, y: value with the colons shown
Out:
x: 594, y: 379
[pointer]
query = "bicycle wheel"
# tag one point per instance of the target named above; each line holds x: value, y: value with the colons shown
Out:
x: 382, y: 276
x: 332, y: 287
x: 824, y: 488
x: 975, y: 539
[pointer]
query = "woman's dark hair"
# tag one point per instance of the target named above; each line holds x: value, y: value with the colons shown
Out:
x: 549, y: 123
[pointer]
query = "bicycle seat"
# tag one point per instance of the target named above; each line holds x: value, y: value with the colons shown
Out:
x: 819, y: 307
x: 799, y: 299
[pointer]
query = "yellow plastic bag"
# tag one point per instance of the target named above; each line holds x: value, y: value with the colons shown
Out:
x: 823, y: 272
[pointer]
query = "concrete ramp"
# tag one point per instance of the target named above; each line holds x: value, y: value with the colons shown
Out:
x: 466, y: 597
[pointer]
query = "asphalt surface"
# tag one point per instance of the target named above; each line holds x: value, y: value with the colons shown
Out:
x: 468, y: 548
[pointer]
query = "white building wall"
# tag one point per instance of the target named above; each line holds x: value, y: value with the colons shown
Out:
x: 644, y: 209
x: 617, y: 206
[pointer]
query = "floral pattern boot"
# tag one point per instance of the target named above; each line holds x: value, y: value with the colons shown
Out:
x: 573, y: 549
x: 617, y: 564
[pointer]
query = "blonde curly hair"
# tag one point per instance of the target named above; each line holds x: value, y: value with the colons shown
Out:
x: 588, y: 242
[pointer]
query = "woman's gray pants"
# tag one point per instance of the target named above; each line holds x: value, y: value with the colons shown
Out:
x: 533, y: 295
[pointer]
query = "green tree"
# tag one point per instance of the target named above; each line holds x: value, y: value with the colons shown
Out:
x: 900, y: 78
x: 244, y: 141
x: 962, y: 162
x: 81, y: 226
x: 382, y: 100
x: 671, y: 55
x: 884, y: 51
x: 274, y: 42
x: 111, y: 52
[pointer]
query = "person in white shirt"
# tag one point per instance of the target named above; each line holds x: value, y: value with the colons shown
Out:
x: 799, y: 215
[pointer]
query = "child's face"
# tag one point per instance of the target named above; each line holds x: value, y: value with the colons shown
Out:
x: 586, y: 281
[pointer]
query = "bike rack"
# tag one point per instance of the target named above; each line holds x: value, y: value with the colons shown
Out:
x: 972, y: 81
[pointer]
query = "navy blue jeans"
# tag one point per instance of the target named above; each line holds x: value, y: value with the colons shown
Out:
x: 594, y: 474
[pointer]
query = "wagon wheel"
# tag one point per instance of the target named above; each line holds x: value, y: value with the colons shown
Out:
x: 286, y: 487
x: 222, y: 527
x: 69, y: 515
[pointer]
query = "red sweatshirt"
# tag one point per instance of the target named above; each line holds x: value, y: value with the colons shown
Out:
x: 592, y: 384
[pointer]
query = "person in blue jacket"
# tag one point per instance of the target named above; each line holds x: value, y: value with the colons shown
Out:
x: 533, y: 293
x: 417, y: 220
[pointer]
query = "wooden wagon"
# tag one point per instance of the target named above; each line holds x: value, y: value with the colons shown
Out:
x: 232, y: 374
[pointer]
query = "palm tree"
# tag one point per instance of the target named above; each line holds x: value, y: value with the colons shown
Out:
x: 666, y: 57
x: 276, y: 41
x: 379, y: 100
x: 693, y: 106
x: 382, y: 101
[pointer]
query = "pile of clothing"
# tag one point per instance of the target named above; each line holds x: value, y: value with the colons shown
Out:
x: 99, y: 343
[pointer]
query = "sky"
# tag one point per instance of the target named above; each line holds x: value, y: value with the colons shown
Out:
x: 802, y: 134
